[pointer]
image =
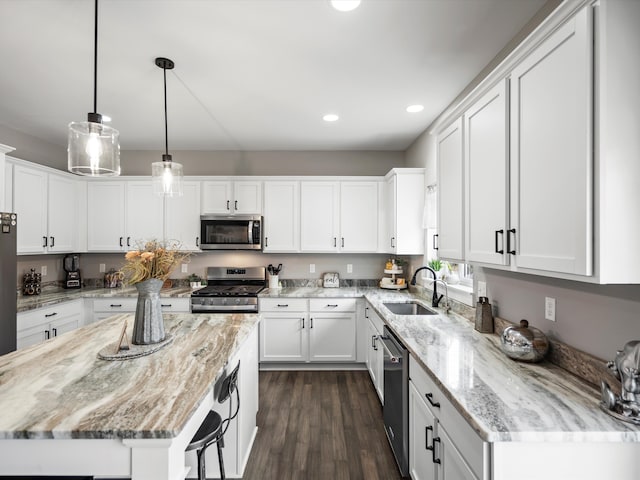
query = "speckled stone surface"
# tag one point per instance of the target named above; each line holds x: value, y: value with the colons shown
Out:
x: 315, y: 292
x: 60, y: 295
x: 61, y: 389
x: 502, y: 399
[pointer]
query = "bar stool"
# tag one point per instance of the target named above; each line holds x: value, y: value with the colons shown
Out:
x: 214, y: 427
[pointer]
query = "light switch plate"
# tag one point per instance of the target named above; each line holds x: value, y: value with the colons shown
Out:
x: 349, y: 268
x: 550, y: 308
x: 103, y: 268
x: 184, y: 268
x: 312, y: 268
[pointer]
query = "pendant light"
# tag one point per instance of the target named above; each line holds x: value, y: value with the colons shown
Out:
x: 167, y: 174
x: 93, y: 148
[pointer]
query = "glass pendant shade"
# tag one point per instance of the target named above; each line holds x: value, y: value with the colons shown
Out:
x: 167, y: 177
x: 93, y: 149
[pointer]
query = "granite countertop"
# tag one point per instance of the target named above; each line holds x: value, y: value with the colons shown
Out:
x: 315, y: 292
x: 503, y: 400
x: 74, y: 394
x: 61, y: 295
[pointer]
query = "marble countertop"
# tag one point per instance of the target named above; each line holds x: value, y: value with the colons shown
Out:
x: 61, y: 389
x: 502, y: 399
x: 315, y: 292
x: 60, y: 295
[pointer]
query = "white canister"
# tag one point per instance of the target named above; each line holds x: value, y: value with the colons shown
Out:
x: 273, y: 281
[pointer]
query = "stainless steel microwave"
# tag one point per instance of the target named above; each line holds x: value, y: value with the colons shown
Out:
x: 230, y: 232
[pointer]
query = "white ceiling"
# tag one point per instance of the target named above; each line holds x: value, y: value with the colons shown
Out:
x: 250, y: 74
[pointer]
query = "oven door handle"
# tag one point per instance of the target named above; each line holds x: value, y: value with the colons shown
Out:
x: 393, y: 358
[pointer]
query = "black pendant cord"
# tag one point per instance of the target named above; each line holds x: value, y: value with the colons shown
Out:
x: 95, y: 61
x: 166, y: 129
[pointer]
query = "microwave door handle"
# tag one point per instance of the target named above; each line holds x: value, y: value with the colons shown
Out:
x: 250, y: 232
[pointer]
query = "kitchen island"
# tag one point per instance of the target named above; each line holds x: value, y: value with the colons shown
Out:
x: 67, y: 412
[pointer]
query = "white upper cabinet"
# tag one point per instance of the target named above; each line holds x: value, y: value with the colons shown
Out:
x: 487, y: 177
x: 106, y: 216
x: 232, y: 197
x: 182, y: 217
x: 359, y: 216
x: 450, y: 244
x: 319, y: 216
x: 47, y: 208
x: 339, y: 216
x: 404, y: 193
x: 144, y: 214
x: 281, y: 216
x: 552, y: 152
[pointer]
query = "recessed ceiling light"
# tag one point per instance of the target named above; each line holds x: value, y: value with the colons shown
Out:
x: 415, y: 108
x: 330, y: 117
x: 345, y: 5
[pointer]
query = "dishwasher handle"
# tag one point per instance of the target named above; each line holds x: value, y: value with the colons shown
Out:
x: 393, y: 356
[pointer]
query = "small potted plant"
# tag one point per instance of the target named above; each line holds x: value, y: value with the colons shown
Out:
x: 194, y: 280
x: 436, y: 265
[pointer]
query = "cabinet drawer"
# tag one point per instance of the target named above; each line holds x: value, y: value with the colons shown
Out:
x: 373, y: 317
x: 470, y: 446
x: 46, y: 315
x: 173, y: 304
x: 115, y: 305
x: 332, y: 305
x: 283, y: 304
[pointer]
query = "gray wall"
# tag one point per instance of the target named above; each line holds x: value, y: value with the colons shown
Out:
x: 33, y: 149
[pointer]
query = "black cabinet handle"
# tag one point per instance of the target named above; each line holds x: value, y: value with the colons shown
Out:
x: 335, y: 243
x: 392, y: 239
x: 434, y: 244
x: 235, y: 205
x: 499, y: 232
x: 302, y: 322
x: 283, y: 305
x: 366, y: 312
x: 197, y: 241
x: 311, y: 323
x: 509, y: 232
x: 227, y: 204
x: 332, y: 305
x: 53, y: 242
x: 51, y: 315
x: 426, y: 437
x: 430, y: 399
x: 433, y: 451
x: 266, y: 241
x: 128, y: 241
x: 55, y: 332
x: 44, y: 242
x: 342, y: 242
x: 115, y: 305
x: 165, y: 305
x: 121, y: 238
x: 373, y: 342
x: 47, y: 334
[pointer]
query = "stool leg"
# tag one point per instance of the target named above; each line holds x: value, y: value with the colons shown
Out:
x: 202, y: 468
x: 220, y: 460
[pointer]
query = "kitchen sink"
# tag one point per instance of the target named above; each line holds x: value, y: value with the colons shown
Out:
x: 408, y: 308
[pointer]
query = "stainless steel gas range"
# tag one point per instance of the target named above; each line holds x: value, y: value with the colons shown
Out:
x: 229, y: 290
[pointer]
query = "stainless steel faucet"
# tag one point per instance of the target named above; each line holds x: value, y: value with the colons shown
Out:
x: 447, y: 305
x: 435, y: 299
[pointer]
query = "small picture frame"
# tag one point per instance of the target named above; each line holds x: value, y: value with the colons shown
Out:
x: 331, y: 280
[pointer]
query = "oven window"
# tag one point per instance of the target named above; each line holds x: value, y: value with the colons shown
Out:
x: 226, y: 232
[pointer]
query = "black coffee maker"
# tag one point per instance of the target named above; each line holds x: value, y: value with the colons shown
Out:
x: 71, y: 265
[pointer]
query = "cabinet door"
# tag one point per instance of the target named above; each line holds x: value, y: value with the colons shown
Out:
x: 372, y: 347
x: 551, y: 152
x: 282, y: 216
x: 487, y: 178
x: 319, y: 213
x: 144, y: 215
x: 390, y: 215
x: 358, y: 216
x: 65, y: 324
x: 422, y: 425
x: 332, y: 337
x: 32, y: 336
x: 216, y: 197
x: 452, y: 465
x: 105, y: 222
x: 410, y: 193
x: 247, y: 197
x: 183, y: 217
x: 30, y: 203
x: 284, y: 338
x: 62, y: 214
x: 450, y: 193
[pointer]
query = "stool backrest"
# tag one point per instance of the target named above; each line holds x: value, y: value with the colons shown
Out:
x: 229, y: 385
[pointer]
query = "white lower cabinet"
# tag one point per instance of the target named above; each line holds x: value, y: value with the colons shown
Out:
x: 375, y: 354
x: 240, y: 435
x: 36, y: 326
x: 302, y: 330
x: 442, y: 445
x: 107, y: 307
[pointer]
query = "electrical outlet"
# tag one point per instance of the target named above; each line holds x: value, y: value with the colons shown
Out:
x: 349, y: 268
x: 550, y: 308
x: 184, y: 268
x: 312, y: 268
x: 43, y: 270
x: 482, y: 289
x: 103, y: 268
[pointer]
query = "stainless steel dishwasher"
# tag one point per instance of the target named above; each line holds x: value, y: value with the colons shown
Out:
x: 396, y: 398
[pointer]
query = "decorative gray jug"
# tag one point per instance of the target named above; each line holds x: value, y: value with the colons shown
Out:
x: 148, y: 326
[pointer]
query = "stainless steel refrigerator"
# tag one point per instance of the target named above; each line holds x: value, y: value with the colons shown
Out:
x: 8, y: 282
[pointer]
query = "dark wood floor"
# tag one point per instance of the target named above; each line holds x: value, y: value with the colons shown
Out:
x: 320, y: 425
